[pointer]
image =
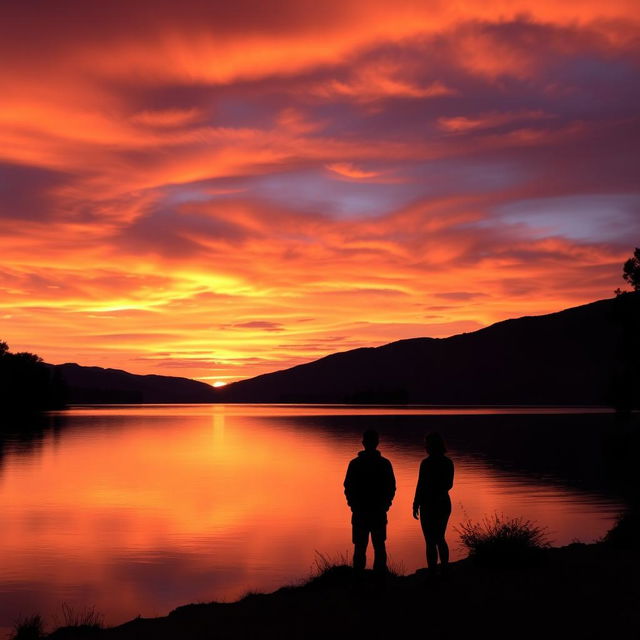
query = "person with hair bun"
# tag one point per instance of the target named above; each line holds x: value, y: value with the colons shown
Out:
x: 432, y: 504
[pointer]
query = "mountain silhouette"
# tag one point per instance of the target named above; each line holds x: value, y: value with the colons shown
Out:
x: 585, y: 355
x: 95, y: 385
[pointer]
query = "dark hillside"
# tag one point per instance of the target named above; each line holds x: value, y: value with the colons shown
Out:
x: 580, y: 356
x: 96, y: 385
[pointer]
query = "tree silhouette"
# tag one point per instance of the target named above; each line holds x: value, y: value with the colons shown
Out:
x: 626, y: 380
x: 631, y: 270
x: 27, y: 383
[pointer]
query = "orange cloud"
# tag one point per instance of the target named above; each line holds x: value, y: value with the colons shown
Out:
x: 222, y: 193
x: 167, y: 117
x: 348, y: 170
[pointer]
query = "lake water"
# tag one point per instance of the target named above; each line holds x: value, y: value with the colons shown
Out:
x: 138, y: 509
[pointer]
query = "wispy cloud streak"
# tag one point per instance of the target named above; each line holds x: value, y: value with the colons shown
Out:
x: 221, y: 192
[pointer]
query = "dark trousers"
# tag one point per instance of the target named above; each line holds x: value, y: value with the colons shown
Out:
x: 434, y: 517
x: 364, y: 524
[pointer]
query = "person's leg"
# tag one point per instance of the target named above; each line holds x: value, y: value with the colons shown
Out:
x: 360, y: 539
x: 378, y: 537
x: 430, y: 538
x: 360, y: 556
x: 443, y: 547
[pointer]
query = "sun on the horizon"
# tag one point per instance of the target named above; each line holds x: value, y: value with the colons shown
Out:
x: 219, y: 383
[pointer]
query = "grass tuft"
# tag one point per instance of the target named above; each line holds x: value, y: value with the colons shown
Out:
x: 85, y: 617
x: 77, y: 623
x: 28, y: 628
x: 329, y: 570
x: 323, y: 562
x: 499, y: 540
x: 396, y: 569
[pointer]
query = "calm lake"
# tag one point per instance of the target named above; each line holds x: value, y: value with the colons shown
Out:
x: 138, y: 509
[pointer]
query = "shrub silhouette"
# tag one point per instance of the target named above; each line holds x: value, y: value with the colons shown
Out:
x: 498, y: 540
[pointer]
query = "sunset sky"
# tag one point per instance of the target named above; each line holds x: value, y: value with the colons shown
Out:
x: 222, y: 189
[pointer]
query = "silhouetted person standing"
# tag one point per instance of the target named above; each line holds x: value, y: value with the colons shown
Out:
x: 432, y: 503
x: 369, y: 487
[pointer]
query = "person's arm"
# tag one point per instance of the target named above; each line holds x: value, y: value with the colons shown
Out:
x: 449, y: 478
x: 418, y: 494
x: 391, y: 485
x: 349, y: 485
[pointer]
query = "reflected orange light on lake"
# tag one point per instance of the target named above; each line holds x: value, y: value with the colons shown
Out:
x: 209, y: 502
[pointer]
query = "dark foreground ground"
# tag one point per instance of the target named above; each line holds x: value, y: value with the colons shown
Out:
x: 579, y: 591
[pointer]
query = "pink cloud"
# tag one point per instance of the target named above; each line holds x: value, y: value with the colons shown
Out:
x: 165, y: 174
x: 349, y: 170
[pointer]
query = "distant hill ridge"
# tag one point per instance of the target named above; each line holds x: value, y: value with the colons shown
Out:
x: 95, y: 385
x: 586, y: 355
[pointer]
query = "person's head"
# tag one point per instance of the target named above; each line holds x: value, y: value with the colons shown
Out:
x: 370, y: 439
x: 434, y: 444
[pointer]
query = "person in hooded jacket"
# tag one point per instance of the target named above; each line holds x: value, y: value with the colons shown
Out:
x: 369, y: 487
